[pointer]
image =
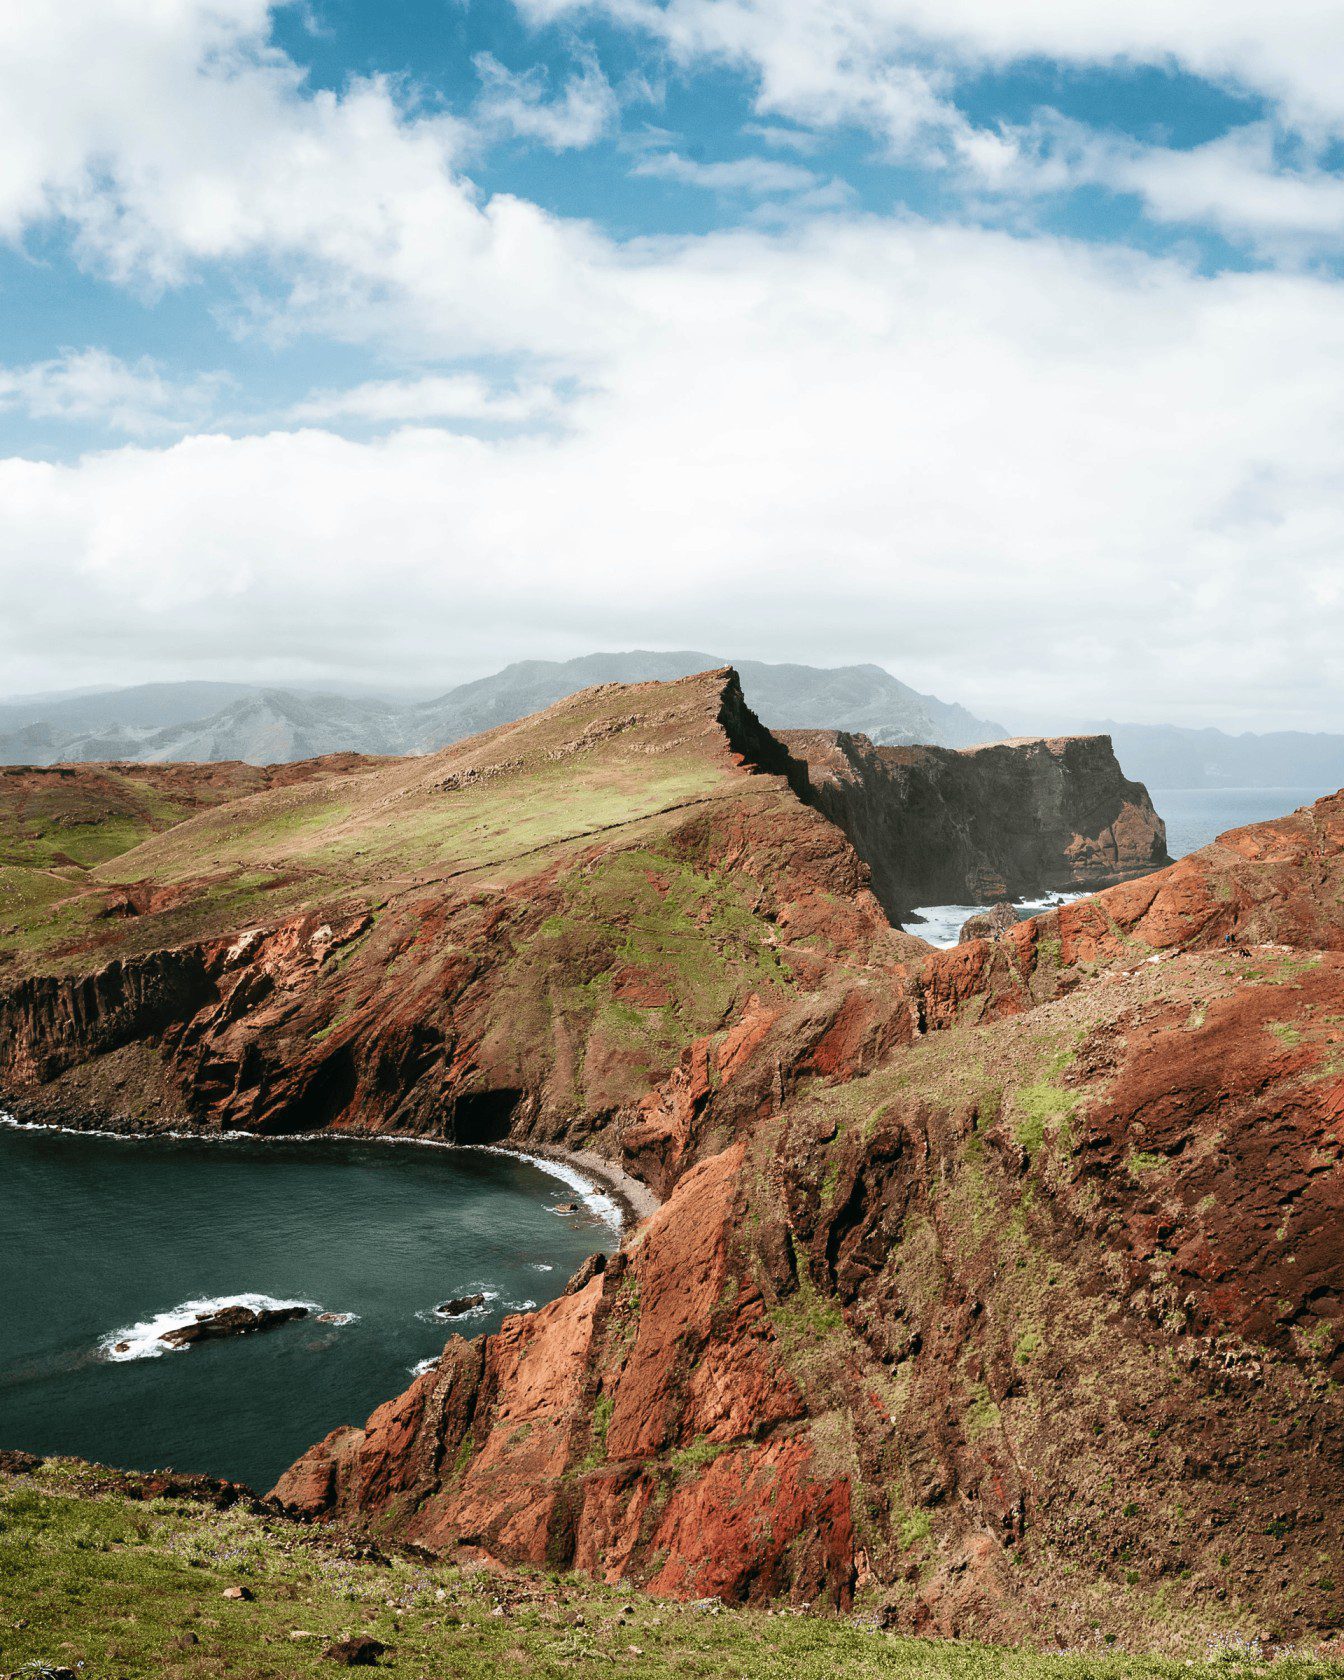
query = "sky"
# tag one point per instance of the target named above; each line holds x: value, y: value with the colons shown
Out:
x: 997, y: 342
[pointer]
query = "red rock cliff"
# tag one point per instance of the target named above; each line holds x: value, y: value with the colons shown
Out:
x: 1026, y: 1323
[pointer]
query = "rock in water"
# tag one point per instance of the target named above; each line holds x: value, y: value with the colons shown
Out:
x: 230, y: 1321
x: 459, y: 1305
x: 989, y: 924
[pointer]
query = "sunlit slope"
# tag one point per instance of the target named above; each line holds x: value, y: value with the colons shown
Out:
x: 596, y: 763
x: 540, y: 920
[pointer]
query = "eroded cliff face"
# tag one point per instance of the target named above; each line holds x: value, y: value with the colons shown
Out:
x: 519, y: 936
x: 1009, y: 820
x: 1001, y: 1286
x: 1015, y: 1304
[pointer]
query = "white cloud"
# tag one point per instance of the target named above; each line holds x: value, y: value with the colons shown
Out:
x: 871, y: 60
x: 193, y: 142
x: 1019, y: 471
x: 431, y: 397
x: 755, y: 176
x: 94, y: 387
x: 516, y: 103
x: 1234, y: 184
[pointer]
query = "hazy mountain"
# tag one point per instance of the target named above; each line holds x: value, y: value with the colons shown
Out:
x: 270, y: 727
x: 214, y: 721
x: 862, y: 698
x: 1164, y: 755
x: 158, y: 722
x: 147, y: 706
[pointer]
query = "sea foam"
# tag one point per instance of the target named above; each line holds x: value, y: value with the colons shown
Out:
x: 142, y: 1341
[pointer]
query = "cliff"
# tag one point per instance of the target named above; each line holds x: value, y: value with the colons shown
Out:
x: 1033, y: 1328
x: 1002, y: 1287
x: 519, y: 934
x: 1009, y: 820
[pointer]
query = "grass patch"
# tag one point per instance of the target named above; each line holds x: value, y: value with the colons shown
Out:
x: 135, y: 1590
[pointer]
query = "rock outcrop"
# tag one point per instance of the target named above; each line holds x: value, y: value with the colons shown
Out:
x: 229, y: 1321
x: 1034, y: 1328
x: 1009, y: 820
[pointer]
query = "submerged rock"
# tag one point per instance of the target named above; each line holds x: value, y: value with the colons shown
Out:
x: 229, y: 1321
x: 459, y: 1306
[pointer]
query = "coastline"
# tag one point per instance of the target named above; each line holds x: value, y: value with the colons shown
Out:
x: 633, y: 1197
x: 592, y: 1175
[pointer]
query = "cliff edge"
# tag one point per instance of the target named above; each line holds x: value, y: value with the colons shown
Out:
x: 1012, y: 819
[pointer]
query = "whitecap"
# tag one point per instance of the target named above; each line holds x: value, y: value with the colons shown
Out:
x: 143, y: 1340
x: 540, y: 1266
x: 423, y: 1365
x: 432, y: 1315
x: 941, y: 924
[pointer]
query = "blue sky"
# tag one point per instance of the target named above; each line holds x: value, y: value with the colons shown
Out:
x: 995, y: 342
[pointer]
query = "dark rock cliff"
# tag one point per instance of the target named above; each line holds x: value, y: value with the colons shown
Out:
x: 1009, y: 820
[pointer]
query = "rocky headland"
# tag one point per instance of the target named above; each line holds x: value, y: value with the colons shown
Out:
x: 1008, y: 820
x: 1000, y: 1287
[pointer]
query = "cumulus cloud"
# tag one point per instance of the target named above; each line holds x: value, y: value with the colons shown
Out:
x: 462, y: 396
x: 195, y: 145
x: 1020, y: 470
x: 516, y: 103
x: 884, y: 62
x: 92, y: 386
x: 1025, y: 471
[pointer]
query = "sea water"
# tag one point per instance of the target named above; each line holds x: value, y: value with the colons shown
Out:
x: 106, y: 1242
x: 1194, y: 817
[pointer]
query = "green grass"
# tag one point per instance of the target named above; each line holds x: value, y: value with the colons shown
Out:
x: 135, y: 1590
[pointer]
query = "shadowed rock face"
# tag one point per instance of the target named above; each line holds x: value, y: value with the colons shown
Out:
x: 1026, y: 1318
x: 1009, y: 820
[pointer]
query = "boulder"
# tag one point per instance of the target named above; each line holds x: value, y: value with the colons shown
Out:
x: 459, y: 1306
x: 988, y: 924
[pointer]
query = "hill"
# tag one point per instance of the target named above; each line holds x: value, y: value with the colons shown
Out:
x: 154, y: 1557
x: 213, y: 722
x: 996, y: 1290
x: 1024, y: 1316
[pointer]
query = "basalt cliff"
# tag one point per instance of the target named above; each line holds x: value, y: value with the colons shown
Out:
x: 1001, y: 821
x: 1000, y: 1289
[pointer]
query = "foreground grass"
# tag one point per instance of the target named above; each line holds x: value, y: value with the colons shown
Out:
x: 116, y: 1587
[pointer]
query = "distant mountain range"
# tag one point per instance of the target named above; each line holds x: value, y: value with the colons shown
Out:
x: 215, y: 721
x: 212, y: 722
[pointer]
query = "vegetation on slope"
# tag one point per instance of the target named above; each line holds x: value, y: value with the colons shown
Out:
x: 99, y: 1580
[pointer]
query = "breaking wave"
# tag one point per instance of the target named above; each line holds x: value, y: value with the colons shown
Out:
x: 142, y: 1340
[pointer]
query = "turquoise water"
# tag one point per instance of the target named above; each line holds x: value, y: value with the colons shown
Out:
x: 105, y: 1240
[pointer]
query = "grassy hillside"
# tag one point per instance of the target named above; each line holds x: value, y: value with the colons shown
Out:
x: 100, y: 1581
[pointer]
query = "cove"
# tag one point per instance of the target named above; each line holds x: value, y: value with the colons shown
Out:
x: 105, y: 1240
